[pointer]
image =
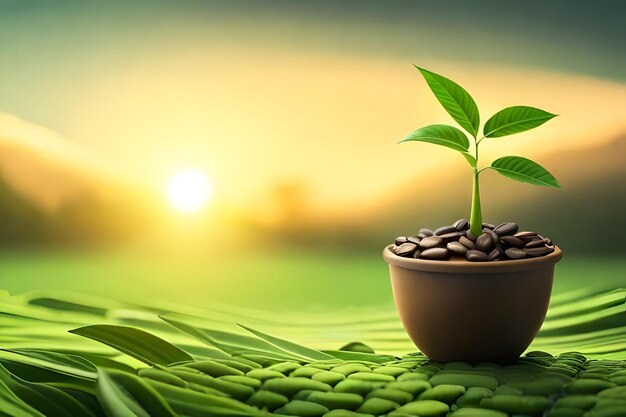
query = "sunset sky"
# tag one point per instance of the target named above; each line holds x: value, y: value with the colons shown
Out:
x: 263, y: 94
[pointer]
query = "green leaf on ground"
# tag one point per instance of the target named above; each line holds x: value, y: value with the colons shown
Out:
x: 126, y: 395
x: 360, y: 356
x: 291, y: 347
x: 47, y: 399
x: 357, y: 347
x: 139, y: 344
x: 12, y: 405
x: 62, y: 363
x: 232, y: 343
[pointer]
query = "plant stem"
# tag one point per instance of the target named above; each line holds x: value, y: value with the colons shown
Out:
x: 476, y: 215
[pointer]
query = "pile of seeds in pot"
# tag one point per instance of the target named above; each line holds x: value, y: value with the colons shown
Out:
x: 495, y: 243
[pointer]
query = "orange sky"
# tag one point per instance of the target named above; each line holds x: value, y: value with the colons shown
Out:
x: 326, y: 122
x: 287, y: 95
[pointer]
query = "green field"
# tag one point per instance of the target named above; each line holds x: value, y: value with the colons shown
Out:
x: 321, y: 298
x: 271, y: 280
x: 123, y: 334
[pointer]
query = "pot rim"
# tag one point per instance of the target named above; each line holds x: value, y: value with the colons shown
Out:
x: 467, y: 267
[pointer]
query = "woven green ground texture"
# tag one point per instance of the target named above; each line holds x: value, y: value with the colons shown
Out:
x: 69, y: 355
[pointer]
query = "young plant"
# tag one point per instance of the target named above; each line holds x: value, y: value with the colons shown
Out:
x: 462, y: 107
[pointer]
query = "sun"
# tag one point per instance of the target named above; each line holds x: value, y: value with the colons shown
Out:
x: 188, y: 190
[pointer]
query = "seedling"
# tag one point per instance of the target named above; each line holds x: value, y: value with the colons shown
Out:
x: 462, y: 108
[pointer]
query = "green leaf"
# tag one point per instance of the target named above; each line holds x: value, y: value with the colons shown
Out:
x: 232, y: 343
x: 515, y: 119
x: 12, y: 405
x: 104, y: 362
x: 360, y: 356
x: 470, y: 159
x: 64, y: 305
x: 291, y: 347
x: 524, y: 170
x: 139, y: 344
x: 48, y: 400
x: 87, y: 399
x: 457, y: 102
x: 357, y: 347
x: 126, y: 395
x: 50, y: 377
x: 587, y: 305
x: 444, y: 135
x: 61, y: 363
x: 189, y: 402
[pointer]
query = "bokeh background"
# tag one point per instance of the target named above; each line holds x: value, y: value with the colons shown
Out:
x: 292, y: 110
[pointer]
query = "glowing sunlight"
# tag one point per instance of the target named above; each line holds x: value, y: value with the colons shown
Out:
x: 188, y: 190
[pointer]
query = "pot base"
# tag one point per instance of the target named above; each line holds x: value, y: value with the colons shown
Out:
x: 458, y: 311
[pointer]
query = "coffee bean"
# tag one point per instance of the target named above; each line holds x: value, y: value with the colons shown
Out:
x: 435, y: 254
x: 452, y: 236
x: 530, y: 239
x: 444, y: 229
x: 515, y: 253
x: 400, y: 240
x: 495, y: 243
x: 484, y: 242
x: 535, y: 244
x: 500, y: 249
x: 493, y: 235
x: 425, y: 232
x: 431, y: 242
x: 512, y: 241
x: 461, y: 224
x: 406, y: 249
x: 476, y: 256
x: 526, y: 236
x: 541, y: 251
x: 506, y: 229
x: 467, y: 243
x: 413, y: 239
x: 457, y: 247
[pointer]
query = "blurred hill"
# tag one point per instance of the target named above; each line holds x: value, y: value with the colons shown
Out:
x: 588, y: 215
x: 52, y: 192
x: 47, y: 168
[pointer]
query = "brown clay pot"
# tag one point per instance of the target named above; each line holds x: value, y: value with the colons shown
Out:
x: 458, y: 310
